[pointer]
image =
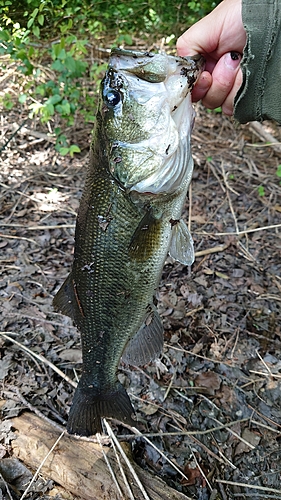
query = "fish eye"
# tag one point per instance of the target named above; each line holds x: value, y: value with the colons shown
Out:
x: 112, y: 98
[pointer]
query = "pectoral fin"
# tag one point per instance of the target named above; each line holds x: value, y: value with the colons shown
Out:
x: 181, y: 244
x: 147, y: 344
x: 145, y: 238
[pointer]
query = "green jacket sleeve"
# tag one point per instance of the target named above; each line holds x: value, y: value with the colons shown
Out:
x: 259, y: 97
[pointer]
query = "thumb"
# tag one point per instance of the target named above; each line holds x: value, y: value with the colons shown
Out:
x: 187, y: 43
x: 223, y: 79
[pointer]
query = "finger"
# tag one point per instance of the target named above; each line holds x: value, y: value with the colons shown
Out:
x: 228, y: 104
x: 216, y: 34
x: 223, y: 78
x: 195, y: 40
x: 202, y: 86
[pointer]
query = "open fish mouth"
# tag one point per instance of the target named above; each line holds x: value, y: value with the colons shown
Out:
x: 153, y: 117
x: 155, y: 67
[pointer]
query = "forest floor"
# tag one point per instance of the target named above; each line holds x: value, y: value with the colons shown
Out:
x: 219, y: 377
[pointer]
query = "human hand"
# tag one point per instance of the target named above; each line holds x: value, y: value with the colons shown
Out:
x: 220, y: 37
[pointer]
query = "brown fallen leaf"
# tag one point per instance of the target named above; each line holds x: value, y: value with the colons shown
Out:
x: 194, y: 475
x: 226, y: 397
x: 73, y: 355
x: 210, y: 381
x: 251, y: 437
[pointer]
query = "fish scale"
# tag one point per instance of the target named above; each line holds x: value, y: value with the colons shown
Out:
x: 123, y: 233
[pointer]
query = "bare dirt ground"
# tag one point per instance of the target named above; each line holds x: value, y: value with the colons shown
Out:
x: 212, y: 403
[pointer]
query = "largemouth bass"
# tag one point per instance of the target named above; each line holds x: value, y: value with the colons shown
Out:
x: 129, y: 218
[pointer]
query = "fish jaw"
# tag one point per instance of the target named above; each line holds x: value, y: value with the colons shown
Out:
x: 149, y: 128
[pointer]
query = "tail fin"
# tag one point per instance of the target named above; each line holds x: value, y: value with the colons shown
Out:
x: 90, y: 405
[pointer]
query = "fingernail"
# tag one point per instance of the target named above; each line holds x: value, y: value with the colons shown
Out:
x: 232, y: 60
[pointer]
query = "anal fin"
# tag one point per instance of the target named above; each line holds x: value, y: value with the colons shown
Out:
x: 181, y: 248
x: 147, y: 343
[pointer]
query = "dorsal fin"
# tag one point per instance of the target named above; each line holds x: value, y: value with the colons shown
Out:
x: 67, y: 301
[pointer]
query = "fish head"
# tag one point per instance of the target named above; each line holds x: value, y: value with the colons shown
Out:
x: 148, y: 117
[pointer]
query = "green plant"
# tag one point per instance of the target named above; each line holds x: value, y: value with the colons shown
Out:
x: 58, y: 99
x: 261, y: 191
x: 215, y: 110
x: 7, y: 101
x: 50, y: 40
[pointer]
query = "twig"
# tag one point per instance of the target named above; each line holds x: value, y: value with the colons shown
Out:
x: 227, y: 460
x: 261, y: 415
x: 138, y: 433
x: 38, y: 135
x: 201, y: 470
x: 121, y: 468
x: 127, y: 461
x: 37, y: 228
x: 163, y: 412
x: 237, y: 436
x: 41, y: 465
x: 40, y: 358
x: 246, y: 252
x: 214, y: 455
x: 192, y: 353
x: 21, y: 193
x: 28, y: 353
x: 18, y: 201
x: 12, y: 136
x: 109, y: 467
x: 228, y: 187
x: 239, y: 233
x: 235, y: 343
x: 169, y: 386
x: 6, y: 486
x: 216, y: 176
x: 40, y: 320
x: 8, y: 236
x: 255, y: 422
x: 259, y: 130
x: 245, y: 485
x: 194, y: 311
x: 218, y: 248
x: 273, y: 375
x: 269, y: 296
x: 232, y: 211
x: 38, y: 412
x: 188, y: 433
x: 263, y: 362
x: 263, y: 496
x: 225, y: 189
